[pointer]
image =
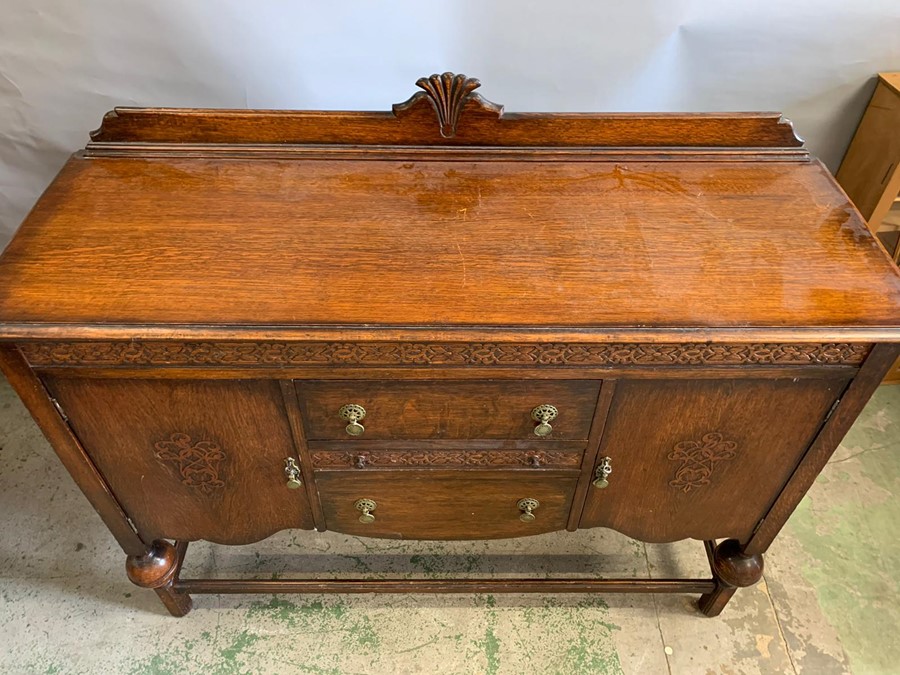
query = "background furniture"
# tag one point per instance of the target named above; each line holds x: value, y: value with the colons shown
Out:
x: 870, y: 171
x: 445, y: 322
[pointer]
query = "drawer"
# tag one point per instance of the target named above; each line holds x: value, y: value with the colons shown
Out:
x: 444, y: 504
x: 447, y: 410
x: 365, y: 457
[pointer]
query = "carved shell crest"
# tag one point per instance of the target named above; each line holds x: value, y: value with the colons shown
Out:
x: 448, y: 94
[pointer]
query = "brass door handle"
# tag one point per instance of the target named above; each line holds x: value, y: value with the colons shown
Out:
x: 544, y: 414
x: 366, y: 506
x: 353, y: 413
x: 292, y: 472
x: 526, y: 506
x: 601, y: 473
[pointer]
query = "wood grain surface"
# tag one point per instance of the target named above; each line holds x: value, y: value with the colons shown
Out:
x: 444, y: 504
x: 190, y: 460
x: 703, y: 459
x: 451, y: 410
x: 417, y: 125
x: 870, y: 170
x: 198, y: 293
x: 380, y: 244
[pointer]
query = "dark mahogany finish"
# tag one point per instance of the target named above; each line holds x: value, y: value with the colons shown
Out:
x: 199, y: 292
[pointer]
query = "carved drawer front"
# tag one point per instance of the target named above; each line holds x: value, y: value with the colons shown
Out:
x: 445, y: 504
x: 376, y: 410
x: 701, y: 459
x: 366, y: 458
x: 190, y: 459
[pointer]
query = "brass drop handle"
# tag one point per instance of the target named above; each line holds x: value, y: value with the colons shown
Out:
x: 366, y: 506
x: 601, y: 473
x: 353, y: 413
x: 526, y: 506
x: 544, y: 414
x: 292, y: 472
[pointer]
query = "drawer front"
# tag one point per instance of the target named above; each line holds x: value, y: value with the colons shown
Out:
x: 448, y: 410
x: 364, y: 458
x: 444, y: 504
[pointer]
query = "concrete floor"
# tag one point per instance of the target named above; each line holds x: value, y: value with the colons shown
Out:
x: 830, y: 601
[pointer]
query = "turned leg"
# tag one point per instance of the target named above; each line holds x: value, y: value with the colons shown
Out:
x: 732, y: 570
x: 156, y: 569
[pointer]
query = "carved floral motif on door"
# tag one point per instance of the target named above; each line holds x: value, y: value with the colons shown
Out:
x: 197, y: 463
x: 698, y: 460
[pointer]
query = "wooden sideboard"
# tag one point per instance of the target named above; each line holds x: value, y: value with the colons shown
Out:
x: 444, y: 322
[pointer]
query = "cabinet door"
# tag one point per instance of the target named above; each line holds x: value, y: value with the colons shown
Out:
x: 703, y: 459
x: 190, y: 459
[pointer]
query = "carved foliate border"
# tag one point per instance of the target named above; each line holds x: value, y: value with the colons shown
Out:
x: 514, y: 458
x: 281, y: 354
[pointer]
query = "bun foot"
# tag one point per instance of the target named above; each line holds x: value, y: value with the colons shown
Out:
x: 732, y: 570
x: 157, y: 569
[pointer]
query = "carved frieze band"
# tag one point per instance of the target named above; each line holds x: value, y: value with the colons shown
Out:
x: 197, y: 463
x: 544, y: 459
x: 280, y: 354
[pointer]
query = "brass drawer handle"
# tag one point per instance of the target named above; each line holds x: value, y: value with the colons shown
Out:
x: 544, y: 414
x: 366, y: 506
x: 353, y: 413
x: 526, y: 506
x: 292, y: 472
x: 601, y: 474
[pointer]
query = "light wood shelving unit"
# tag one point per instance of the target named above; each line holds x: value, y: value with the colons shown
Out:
x: 870, y: 172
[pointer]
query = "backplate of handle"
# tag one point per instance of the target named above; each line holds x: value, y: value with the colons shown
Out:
x: 543, y: 415
x: 366, y: 506
x: 527, y: 505
x: 353, y: 413
x: 601, y: 473
x: 292, y: 473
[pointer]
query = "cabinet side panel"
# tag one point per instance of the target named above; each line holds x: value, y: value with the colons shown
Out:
x: 832, y: 432
x: 71, y: 454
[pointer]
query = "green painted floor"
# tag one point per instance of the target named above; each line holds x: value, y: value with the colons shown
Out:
x: 830, y: 601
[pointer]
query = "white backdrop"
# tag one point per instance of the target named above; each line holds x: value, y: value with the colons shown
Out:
x: 63, y: 63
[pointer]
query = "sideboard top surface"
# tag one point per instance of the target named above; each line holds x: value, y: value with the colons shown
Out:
x: 733, y: 247
x: 308, y: 242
